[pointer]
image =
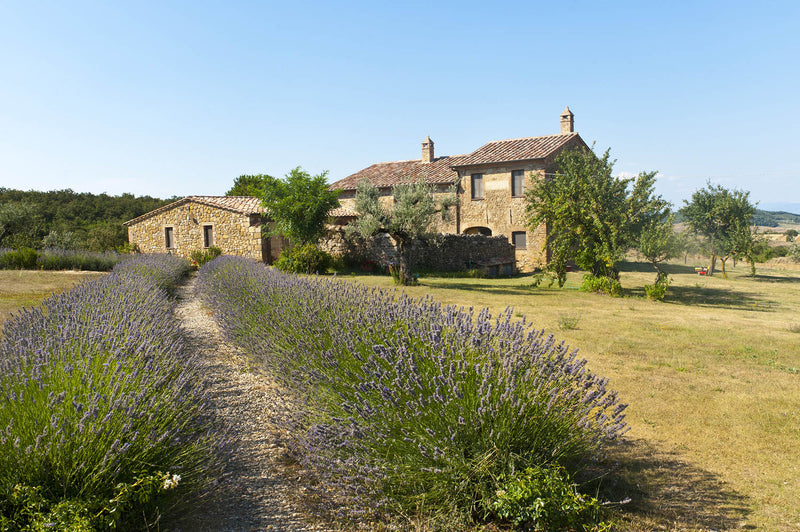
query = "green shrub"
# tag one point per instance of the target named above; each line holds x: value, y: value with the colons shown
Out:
x: 794, y: 252
x: 545, y: 499
x: 657, y: 291
x: 307, y: 258
x: 202, y: 256
x: 568, y: 322
x: 21, y: 259
x: 603, y: 285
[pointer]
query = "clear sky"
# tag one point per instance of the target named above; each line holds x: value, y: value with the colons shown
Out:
x: 178, y: 98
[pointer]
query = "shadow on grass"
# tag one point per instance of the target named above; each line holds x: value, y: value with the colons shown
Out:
x: 776, y: 278
x: 667, y: 491
x: 716, y: 298
x: 646, y: 267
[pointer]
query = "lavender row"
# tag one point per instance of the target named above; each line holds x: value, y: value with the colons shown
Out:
x: 409, y: 403
x: 98, y: 389
x: 59, y: 259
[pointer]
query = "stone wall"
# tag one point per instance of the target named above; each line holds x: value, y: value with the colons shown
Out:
x: 446, y: 252
x: 500, y: 212
x: 233, y: 232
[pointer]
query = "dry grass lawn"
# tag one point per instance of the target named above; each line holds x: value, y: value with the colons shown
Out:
x: 712, y: 376
x: 26, y: 288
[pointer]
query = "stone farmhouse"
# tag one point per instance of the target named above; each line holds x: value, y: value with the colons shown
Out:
x: 232, y: 223
x: 490, y: 183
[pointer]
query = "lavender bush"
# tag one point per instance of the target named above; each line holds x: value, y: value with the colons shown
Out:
x: 98, y: 396
x: 409, y: 405
x: 75, y: 259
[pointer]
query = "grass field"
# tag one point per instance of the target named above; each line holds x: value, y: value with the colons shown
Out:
x: 26, y: 288
x: 712, y: 376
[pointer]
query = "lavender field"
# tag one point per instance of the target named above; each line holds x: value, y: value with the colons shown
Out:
x: 101, y: 406
x: 410, y: 408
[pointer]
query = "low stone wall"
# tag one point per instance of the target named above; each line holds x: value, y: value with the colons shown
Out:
x: 445, y: 252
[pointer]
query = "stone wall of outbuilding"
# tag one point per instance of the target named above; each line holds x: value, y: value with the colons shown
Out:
x: 233, y: 232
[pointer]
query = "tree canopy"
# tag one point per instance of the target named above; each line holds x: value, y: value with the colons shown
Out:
x: 94, y: 221
x: 249, y: 185
x: 299, y: 204
x: 723, y: 217
x: 411, y: 217
x: 592, y: 217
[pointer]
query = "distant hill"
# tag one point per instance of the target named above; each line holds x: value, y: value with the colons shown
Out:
x: 763, y: 218
x: 85, y: 220
x: 775, y: 218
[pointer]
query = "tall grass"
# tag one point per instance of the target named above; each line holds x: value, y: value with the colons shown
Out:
x: 101, y: 402
x: 409, y: 406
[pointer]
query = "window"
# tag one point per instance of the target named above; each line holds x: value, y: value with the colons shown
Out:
x: 517, y: 183
x: 519, y: 239
x: 477, y: 186
x: 208, y: 236
x: 169, y: 238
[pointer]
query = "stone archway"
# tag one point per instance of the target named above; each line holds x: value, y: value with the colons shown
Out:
x: 485, y: 231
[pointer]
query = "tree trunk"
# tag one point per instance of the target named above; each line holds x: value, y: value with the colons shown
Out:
x: 403, y: 275
x: 713, y: 263
x: 722, y: 261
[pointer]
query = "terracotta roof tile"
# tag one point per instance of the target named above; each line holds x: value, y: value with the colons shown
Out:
x: 342, y: 212
x: 242, y: 204
x: 500, y: 151
x: 389, y: 174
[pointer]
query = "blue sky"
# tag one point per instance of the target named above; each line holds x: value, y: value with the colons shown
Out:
x: 178, y: 98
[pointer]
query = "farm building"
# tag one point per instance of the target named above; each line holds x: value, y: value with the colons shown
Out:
x: 490, y: 184
x: 231, y: 223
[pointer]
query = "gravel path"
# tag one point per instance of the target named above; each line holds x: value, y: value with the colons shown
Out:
x: 252, y: 493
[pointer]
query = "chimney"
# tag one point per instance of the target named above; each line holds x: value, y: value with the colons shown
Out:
x: 567, y: 121
x: 427, y: 150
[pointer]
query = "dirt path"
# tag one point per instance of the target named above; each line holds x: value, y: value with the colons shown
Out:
x: 251, y: 494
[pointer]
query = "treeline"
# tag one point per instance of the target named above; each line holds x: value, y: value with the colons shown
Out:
x: 67, y: 219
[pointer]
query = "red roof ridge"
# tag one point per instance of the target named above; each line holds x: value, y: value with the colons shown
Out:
x: 531, y: 138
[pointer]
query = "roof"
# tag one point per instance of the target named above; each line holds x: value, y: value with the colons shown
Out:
x: 241, y: 204
x: 524, y: 149
x: 438, y: 172
x: 341, y: 212
x: 441, y: 170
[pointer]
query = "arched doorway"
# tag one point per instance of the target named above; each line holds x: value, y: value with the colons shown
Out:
x: 485, y: 231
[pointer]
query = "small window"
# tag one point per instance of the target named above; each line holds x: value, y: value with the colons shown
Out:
x: 517, y: 183
x: 169, y: 238
x: 208, y: 236
x: 519, y: 239
x: 477, y: 186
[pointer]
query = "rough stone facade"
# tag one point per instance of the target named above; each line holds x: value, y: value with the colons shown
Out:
x: 500, y: 209
x: 198, y: 223
x: 447, y: 252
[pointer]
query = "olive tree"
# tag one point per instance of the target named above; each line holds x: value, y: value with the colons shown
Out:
x: 411, y: 217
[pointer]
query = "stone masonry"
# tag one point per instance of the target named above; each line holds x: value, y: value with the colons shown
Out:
x: 499, y: 209
x: 197, y: 222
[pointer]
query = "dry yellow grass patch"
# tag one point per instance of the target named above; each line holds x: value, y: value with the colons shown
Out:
x: 26, y: 288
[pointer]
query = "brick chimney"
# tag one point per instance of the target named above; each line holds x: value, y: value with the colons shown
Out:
x: 567, y: 121
x: 427, y: 150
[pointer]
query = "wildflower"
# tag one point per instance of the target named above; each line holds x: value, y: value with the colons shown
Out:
x: 171, y: 481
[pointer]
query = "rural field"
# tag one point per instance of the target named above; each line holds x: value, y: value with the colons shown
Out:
x: 711, y: 375
x: 26, y: 288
